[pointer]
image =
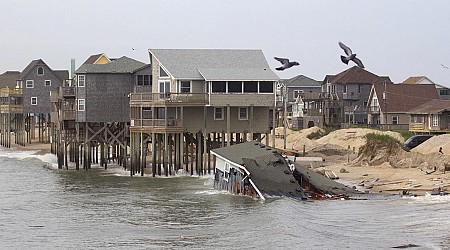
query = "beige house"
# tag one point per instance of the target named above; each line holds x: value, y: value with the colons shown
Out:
x: 389, y: 104
x: 201, y: 99
x: 432, y: 116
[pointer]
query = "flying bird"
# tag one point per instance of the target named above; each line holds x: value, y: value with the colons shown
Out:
x: 133, y: 48
x: 445, y: 67
x: 350, y: 56
x: 286, y: 64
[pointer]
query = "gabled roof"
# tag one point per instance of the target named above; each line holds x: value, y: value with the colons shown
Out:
x: 121, y: 65
x: 8, y: 79
x: 215, y: 64
x: 301, y: 81
x: 356, y: 75
x: 432, y: 107
x: 31, y: 66
x: 60, y: 74
x: 402, y: 98
x: 94, y: 58
x: 415, y: 79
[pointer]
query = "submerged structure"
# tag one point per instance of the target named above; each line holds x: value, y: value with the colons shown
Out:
x: 255, y: 170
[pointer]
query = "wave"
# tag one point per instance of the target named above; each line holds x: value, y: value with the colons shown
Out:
x: 49, y: 160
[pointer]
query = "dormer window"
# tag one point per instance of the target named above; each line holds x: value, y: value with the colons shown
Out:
x: 40, y: 71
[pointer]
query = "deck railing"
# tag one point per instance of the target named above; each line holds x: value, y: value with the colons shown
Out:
x: 11, y: 108
x: 162, y: 123
x: 8, y: 91
x: 69, y: 114
x: 68, y: 91
x: 181, y: 98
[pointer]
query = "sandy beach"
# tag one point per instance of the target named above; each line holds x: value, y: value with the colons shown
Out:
x: 417, y: 172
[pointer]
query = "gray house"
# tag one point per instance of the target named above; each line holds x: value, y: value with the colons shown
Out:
x: 303, y: 105
x: 346, y: 96
x: 37, y: 82
x: 206, y: 97
x: 103, y: 89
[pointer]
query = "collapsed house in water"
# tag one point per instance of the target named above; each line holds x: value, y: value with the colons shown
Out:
x: 255, y: 170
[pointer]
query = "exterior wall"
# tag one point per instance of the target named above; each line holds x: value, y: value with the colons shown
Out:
x: 267, y: 100
x: 106, y: 98
x: 198, y: 86
x: 194, y: 120
x: 141, y: 89
x: 40, y: 91
x: 307, y: 89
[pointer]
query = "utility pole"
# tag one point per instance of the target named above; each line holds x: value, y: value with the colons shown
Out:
x: 284, y: 114
x: 385, y: 104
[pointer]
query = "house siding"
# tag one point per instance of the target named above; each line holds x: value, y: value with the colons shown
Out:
x: 40, y: 91
x: 106, y: 98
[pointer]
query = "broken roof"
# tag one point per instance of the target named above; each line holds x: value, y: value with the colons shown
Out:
x: 357, y: 75
x: 215, y: 64
x: 250, y: 150
x: 121, y: 65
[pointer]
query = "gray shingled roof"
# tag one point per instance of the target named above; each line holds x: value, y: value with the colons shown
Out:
x: 250, y: 150
x: 30, y: 67
x: 215, y: 64
x: 121, y: 65
x: 8, y: 79
x: 302, y: 81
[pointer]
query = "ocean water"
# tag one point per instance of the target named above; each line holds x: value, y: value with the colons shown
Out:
x: 42, y: 207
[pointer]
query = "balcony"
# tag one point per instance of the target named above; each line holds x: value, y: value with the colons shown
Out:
x: 69, y: 114
x: 8, y: 108
x: 168, y: 99
x: 10, y: 92
x: 68, y: 91
x: 373, y: 110
x: 351, y: 96
x: 169, y: 125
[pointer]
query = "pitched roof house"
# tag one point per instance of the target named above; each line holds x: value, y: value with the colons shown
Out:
x: 389, y: 104
x: 432, y: 116
x: 37, y: 81
x: 443, y: 92
x: 103, y: 89
x: 347, y: 94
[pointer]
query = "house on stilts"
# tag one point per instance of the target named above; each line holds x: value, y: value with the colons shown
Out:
x: 93, y: 111
x: 200, y: 99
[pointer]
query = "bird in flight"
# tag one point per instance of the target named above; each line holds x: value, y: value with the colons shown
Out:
x: 350, y: 56
x: 286, y: 64
x: 445, y: 67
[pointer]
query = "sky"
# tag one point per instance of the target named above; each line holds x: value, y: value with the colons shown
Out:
x: 400, y: 38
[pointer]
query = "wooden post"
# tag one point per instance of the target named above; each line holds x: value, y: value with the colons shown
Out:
x: 228, y: 125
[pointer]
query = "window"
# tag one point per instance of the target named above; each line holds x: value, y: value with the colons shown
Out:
x: 81, y: 105
x: 29, y: 84
x: 345, y: 89
x: 33, y: 101
x: 185, y: 86
x: 435, y: 120
x: 297, y: 93
x: 143, y: 80
x: 162, y: 72
x: 234, y: 87
x: 265, y: 87
x: 164, y: 86
x: 40, y: 71
x: 48, y: 83
x: 250, y: 87
x: 218, y: 113
x: 243, y: 113
x: 394, y: 120
x: 219, y: 87
x: 444, y: 92
x: 81, y: 80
